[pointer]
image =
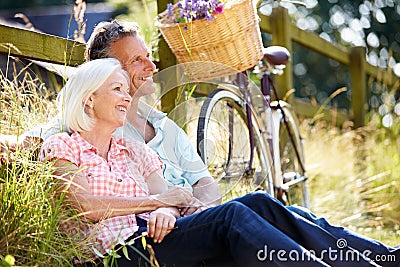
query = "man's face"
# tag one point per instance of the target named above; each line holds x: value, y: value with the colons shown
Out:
x: 135, y: 59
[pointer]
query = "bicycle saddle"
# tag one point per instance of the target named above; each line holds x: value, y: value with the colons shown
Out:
x: 276, y: 55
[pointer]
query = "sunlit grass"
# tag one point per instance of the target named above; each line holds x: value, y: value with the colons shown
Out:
x: 23, y: 102
x: 354, y: 178
x: 30, y: 206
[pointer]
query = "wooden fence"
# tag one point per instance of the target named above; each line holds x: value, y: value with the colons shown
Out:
x: 284, y: 33
x: 38, y: 46
x: 43, y: 47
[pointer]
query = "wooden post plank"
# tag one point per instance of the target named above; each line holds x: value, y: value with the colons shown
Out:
x: 381, y: 75
x: 265, y: 23
x: 281, y: 35
x: 358, y: 85
x: 169, y: 96
x: 39, y: 46
x: 314, y: 42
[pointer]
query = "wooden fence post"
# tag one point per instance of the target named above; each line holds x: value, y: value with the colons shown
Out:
x: 280, y: 29
x: 358, y: 85
x: 167, y: 59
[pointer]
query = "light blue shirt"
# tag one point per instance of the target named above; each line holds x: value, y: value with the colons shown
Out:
x: 182, y: 165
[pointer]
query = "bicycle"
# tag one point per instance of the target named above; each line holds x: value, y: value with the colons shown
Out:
x: 249, y: 142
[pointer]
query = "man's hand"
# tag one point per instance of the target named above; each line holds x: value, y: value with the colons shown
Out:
x: 12, y: 143
x: 207, y: 191
x: 7, y: 144
x: 194, y: 207
x: 176, y: 196
x: 161, y: 223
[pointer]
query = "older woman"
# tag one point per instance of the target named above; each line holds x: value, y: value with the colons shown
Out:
x: 111, y: 180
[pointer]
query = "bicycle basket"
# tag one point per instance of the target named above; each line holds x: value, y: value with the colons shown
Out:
x: 232, y: 39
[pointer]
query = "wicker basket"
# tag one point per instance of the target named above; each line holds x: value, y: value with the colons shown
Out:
x: 229, y: 44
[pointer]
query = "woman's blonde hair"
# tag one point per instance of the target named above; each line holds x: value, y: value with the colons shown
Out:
x: 86, y: 80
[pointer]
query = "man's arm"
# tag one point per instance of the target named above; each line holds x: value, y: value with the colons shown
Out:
x: 31, y: 139
x: 207, y: 191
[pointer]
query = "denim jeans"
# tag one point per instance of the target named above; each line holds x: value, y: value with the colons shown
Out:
x: 256, y: 230
x: 358, y: 242
x: 316, y: 234
x: 227, y: 233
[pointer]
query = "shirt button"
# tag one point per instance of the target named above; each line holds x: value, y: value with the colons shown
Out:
x: 119, y: 180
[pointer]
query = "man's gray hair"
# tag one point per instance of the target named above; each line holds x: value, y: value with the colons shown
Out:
x: 105, y: 33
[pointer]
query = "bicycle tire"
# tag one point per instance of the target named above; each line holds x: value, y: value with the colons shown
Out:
x: 227, y: 154
x: 291, y: 153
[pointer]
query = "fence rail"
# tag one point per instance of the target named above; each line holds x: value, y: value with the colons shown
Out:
x: 39, y: 46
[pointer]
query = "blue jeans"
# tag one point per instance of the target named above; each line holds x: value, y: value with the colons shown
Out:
x: 358, y: 242
x: 255, y: 230
x: 231, y: 232
x: 316, y: 234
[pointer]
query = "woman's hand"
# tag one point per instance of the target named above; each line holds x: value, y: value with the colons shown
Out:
x: 161, y: 223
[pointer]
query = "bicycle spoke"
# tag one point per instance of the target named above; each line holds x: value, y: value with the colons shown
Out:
x: 226, y: 146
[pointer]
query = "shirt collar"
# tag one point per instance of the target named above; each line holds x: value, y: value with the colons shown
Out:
x: 117, y: 144
x: 155, y: 117
x: 150, y: 112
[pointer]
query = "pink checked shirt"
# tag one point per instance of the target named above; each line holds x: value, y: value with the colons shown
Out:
x: 123, y: 174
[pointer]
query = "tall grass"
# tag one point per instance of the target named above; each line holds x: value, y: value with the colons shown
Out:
x: 354, y: 177
x: 29, y: 215
x: 30, y: 206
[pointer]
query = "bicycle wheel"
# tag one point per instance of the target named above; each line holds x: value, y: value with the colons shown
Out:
x: 223, y: 142
x: 292, y: 156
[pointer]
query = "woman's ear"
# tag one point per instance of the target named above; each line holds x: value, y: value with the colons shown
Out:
x: 89, y: 102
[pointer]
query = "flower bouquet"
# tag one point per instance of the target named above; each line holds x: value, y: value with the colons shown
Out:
x: 217, y: 38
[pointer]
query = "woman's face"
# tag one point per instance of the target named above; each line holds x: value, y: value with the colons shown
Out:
x: 111, y: 101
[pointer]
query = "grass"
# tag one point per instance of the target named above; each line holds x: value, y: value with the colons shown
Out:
x: 30, y: 205
x: 354, y: 178
x: 29, y: 215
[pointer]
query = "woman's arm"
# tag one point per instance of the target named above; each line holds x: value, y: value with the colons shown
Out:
x: 97, y: 208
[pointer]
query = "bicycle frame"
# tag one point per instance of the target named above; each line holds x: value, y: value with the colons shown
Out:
x: 254, y: 114
x: 271, y: 120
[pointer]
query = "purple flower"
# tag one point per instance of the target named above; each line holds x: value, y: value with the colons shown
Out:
x: 188, y: 10
x: 170, y: 11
